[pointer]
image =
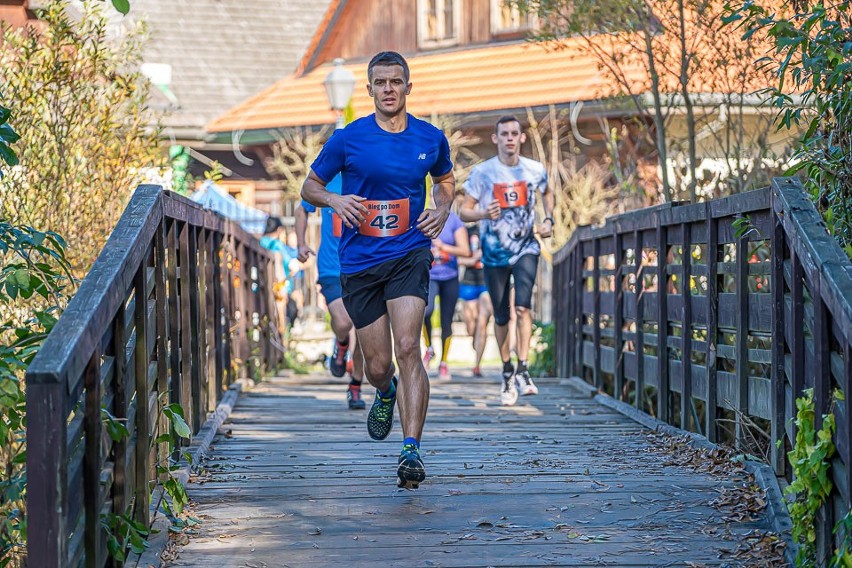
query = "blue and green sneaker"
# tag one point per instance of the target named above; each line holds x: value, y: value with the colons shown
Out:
x: 380, y: 418
x: 410, y: 471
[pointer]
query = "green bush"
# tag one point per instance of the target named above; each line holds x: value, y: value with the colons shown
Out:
x: 34, y: 275
x: 542, y: 356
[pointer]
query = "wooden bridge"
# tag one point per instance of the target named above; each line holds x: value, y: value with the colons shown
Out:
x: 756, y: 298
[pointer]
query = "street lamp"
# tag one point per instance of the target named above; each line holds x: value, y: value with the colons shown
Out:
x: 339, y: 84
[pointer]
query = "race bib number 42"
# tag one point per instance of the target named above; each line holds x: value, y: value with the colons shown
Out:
x: 513, y: 194
x: 385, y: 218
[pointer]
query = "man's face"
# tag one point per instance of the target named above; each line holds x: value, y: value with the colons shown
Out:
x: 388, y: 89
x: 509, y: 138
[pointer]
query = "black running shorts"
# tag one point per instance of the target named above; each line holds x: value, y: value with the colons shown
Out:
x: 365, y: 292
x: 497, y: 281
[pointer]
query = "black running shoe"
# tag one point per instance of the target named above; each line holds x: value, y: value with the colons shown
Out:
x: 410, y: 471
x: 337, y: 365
x: 353, y: 397
x: 380, y: 418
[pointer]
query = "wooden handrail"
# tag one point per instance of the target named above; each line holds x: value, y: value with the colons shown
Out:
x: 745, y: 324
x: 178, y: 295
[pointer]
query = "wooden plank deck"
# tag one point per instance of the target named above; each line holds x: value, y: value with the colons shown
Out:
x: 557, y: 480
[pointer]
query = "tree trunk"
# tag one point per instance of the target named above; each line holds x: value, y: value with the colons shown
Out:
x: 687, y: 101
x: 659, y: 122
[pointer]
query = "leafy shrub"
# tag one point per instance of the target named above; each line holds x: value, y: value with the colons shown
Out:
x: 34, y: 275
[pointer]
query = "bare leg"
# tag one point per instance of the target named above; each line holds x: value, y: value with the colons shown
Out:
x: 470, y: 311
x: 342, y: 327
x: 524, y: 331
x: 513, y: 325
x: 406, y: 316
x: 375, y: 342
x: 481, y: 332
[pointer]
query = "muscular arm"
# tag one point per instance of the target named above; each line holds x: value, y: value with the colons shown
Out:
x: 348, y: 207
x: 301, y: 226
x: 431, y: 222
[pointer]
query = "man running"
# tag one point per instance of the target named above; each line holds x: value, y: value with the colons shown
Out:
x: 384, y: 248
x: 501, y: 195
x: 328, y: 268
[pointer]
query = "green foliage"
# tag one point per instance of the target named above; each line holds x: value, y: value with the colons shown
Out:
x: 812, y: 60
x: 34, y: 275
x: 542, y: 356
x: 124, y: 534
x: 8, y: 136
x: 810, y: 459
x: 180, y: 158
x: 86, y: 134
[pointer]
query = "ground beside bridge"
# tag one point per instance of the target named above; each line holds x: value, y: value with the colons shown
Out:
x: 558, y: 480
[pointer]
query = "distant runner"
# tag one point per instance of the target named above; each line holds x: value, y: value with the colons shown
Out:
x: 501, y: 195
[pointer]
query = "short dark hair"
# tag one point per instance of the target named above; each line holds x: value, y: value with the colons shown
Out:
x: 272, y: 224
x: 504, y: 119
x: 387, y: 58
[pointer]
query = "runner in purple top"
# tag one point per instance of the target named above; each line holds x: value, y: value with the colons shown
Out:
x: 444, y: 282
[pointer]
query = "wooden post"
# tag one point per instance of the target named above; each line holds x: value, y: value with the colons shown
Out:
x: 120, y: 403
x: 143, y: 426
x: 822, y: 397
x: 93, y: 462
x: 741, y: 392
x: 47, y: 469
x: 710, y: 429
x: 779, y: 341
x: 639, y: 298
x: 174, y: 310
x: 619, y: 316
x: 162, y: 322
x: 596, y: 317
x: 663, y: 397
x: 797, y: 349
x: 197, y: 413
x: 219, y: 341
x: 187, y: 400
x: 686, y: 331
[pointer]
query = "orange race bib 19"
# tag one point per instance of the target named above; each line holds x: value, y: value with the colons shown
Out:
x: 336, y: 225
x: 385, y: 218
x: 513, y: 194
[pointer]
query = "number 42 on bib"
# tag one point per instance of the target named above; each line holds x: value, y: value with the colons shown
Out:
x: 385, y: 218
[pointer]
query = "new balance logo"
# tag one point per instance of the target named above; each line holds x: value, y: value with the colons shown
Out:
x: 421, y: 157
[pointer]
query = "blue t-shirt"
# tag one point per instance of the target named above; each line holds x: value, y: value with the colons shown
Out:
x: 328, y: 263
x: 389, y: 169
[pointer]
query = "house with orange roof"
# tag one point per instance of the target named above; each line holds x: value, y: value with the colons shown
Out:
x: 469, y: 59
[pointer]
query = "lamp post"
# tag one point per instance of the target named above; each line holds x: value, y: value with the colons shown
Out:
x: 339, y: 84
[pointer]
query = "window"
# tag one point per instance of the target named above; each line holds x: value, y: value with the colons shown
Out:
x: 438, y: 22
x: 509, y: 19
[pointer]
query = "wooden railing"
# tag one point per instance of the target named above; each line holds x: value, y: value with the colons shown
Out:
x: 757, y: 307
x: 178, y: 304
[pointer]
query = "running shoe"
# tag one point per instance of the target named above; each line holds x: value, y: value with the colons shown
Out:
x: 508, y: 392
x: 428, y: 356
x: 380, y: 418
x: 353, y: 398
x: 477, y: 373
x: 444, y: 371
x: 410, y: 471
x: 525, y: 383
x: 337, y: 365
